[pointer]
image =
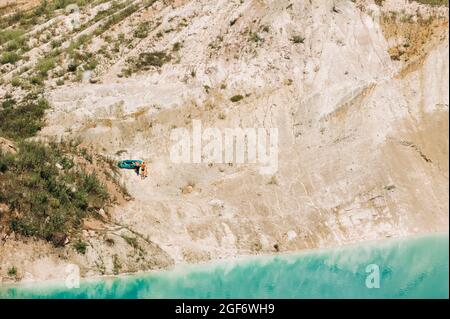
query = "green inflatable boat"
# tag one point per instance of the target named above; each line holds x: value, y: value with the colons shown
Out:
x: 129, y: 164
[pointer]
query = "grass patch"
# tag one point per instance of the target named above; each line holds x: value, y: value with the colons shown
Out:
x: 46, y: 193
x: 176, y: 46
x: 13, y: 40
x: 157, y: 59
x: 297, y: 39
x: 146, y: 60
x: 45, y: 65
x: 255, y: 37
x: 132, y: 241
x: 434, y: 2
x: 80, y: 246
x: 36, y: 80
x: 116, y: 18
x: 76, y: 44
x: 117, y: 266
x: 38, y: 15
x: 12, y: 271
x: 9, y: 57
x: 10, y: 35
x: 116, y: 6
x: 236, y: 98
x: 141, y: 31
x: 15, y: 81
x: 23, y: 119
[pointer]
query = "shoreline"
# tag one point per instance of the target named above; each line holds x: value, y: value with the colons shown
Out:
x: 233, y: 261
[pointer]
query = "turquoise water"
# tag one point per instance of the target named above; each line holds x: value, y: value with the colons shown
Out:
x: 408, y: 268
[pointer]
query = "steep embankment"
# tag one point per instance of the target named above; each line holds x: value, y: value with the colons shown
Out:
x: 358, y: 92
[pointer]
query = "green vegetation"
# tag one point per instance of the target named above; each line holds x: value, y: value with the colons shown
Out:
x: 11, y: 35
x: 86, y: 60
x: 115, y: 7
x: 90, y: 62
x: 46, y: 193
x: 44, y: 65
x: 157, y: 59
x: 76, y: 44
x: 36, y: 80
x: 116, y: 18
x: 85, y: 154
x: 216, y: 44
x: 24, y: 119
x: 255, y: 37
x: 132, y: 241
x: 141, y: 31
x: 55, y: 44
x: 61, y: 4
x: 15, y: 81
x: 116, y: 264
x: 38, y: 15
x: 297, y: 39
x: 80, y: 246
x: 12, y: 272
x: 236, y: 98
x: 17, y: 44
x: 145, y: 60
x: 434, y: 2
x: 49, y: 187
x: 176, y: 46
x: 9, y: 57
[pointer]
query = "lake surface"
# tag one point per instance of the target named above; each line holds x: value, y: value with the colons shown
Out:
x: 402, y: 268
